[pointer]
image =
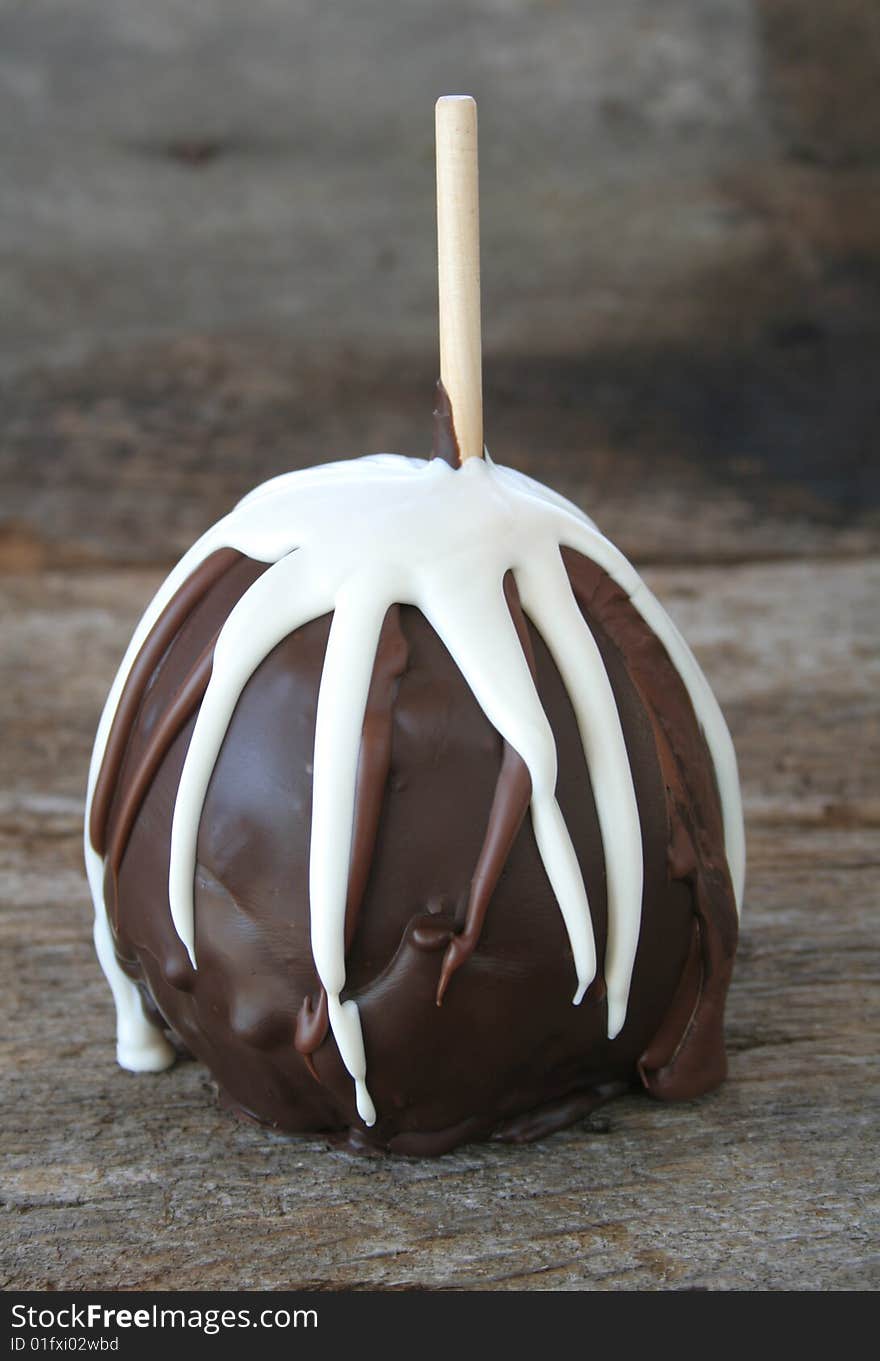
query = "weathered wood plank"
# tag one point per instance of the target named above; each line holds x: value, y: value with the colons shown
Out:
x: 705, y: 168
x: 680, y: 262
x: 128, y: 458
x: 181, y: 171
x: 114, y: 1180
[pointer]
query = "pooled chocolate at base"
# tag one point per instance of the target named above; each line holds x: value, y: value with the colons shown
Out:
x: 506, y: 1055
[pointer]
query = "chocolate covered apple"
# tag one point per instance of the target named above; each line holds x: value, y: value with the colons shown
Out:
x: 411, y: 814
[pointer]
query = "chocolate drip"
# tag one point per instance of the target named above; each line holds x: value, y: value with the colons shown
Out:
x: 513, y: 792
x: 194, y: 589
x: 188, y: 699
x: 445, y: 439
x: 374, y: 765
x: 556, y: 1115
x: 686, y: 1057
x: 544, y: 1120
x: 312, y: 1024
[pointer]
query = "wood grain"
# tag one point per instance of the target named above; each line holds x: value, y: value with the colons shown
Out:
x: 113, y: 1180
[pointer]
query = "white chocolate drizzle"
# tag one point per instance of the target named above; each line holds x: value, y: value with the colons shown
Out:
x: 353, y: 539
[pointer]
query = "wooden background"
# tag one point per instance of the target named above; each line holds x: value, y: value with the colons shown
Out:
x: 216, y: 263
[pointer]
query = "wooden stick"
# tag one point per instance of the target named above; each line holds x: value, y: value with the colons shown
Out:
x: 458, y: 268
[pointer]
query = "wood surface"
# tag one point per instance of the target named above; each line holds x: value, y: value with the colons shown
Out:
x: 216, y: 263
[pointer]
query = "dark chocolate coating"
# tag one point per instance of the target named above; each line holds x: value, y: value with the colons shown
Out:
x: 438, y: 888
